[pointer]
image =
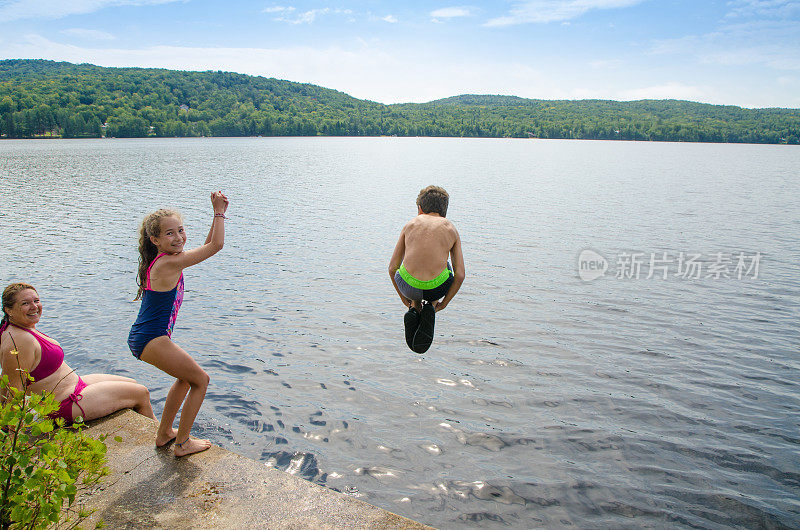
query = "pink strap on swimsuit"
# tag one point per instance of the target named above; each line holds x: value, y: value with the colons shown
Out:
x: 147, y: 276
x: 65, y: 408
x: 52, y: 355
x: 178, y: 294
x: 51, y: 360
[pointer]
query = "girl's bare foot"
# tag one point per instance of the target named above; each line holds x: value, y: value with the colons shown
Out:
x: 163, y: 439
x: 191, y: 446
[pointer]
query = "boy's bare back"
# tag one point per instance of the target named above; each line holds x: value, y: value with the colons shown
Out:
x: 418, y: 268
x: 429, y: 238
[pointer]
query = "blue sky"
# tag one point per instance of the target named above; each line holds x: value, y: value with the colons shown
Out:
x: 738, y: 52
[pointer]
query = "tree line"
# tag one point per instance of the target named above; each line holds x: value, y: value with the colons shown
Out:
x: 40, y: 99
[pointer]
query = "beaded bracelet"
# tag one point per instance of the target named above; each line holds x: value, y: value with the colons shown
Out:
x: 220, y: 215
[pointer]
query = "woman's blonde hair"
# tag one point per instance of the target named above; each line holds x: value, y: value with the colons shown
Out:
x: 151, y: 226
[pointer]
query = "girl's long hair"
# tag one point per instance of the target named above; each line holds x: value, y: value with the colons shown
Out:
x: 151, y: 226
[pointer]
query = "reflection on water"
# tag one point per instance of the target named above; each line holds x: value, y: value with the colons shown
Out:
x: 545, y: 400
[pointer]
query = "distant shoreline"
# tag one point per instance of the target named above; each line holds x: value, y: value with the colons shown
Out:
x: 41, y: 98
x: 427, y: 137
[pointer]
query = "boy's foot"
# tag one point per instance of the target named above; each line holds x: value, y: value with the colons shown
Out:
x: 411, y: 322
x: 423, y: 338
x: 191, y: 446
x: 162, y: 440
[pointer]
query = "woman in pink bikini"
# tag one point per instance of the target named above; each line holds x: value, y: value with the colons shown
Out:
x: 89, y: 397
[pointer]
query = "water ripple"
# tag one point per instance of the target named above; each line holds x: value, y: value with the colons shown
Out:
x: 545, y: 401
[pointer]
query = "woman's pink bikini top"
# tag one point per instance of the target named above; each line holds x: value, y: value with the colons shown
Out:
x: 52, y: 356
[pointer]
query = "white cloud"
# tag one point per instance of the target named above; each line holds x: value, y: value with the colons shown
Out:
x: 92, y: 34
x: 764, y: 8
x: 788, y: 81
x: 22, y: 9
x: 450, y: 12
x: 764, y: 42
x: 584, y: 93
x: 278, y: 9
x: 391, y: 19
x: 606, y: 64
x: 775, y: 57
x: 754, y: 32
x: 308, y: 17
x: 668, y: 91
x: 544, y: 11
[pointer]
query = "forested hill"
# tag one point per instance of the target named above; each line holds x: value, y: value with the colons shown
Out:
x: 48, y: 99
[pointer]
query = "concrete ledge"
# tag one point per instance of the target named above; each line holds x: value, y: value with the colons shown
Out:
x: 149, y: 487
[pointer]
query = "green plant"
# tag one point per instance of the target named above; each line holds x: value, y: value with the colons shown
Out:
x: 41, y: 465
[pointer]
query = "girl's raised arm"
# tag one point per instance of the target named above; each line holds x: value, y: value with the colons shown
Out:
x: 219, y: 211
x: 214, y: 241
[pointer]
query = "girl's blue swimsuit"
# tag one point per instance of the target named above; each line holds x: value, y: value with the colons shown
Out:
x: 157, y: 314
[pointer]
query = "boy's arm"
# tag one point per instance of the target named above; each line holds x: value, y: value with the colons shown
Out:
x: 457, y: 259
x: 394, y: 264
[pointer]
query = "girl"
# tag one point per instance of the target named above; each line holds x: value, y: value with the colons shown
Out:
x: 161, y: 263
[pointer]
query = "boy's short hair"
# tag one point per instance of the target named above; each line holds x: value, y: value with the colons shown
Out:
x: 433, y: 199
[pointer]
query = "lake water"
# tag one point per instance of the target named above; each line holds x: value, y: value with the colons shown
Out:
x: 545, y: 401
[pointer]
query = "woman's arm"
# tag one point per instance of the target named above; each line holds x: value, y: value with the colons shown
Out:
x: 18, y: 359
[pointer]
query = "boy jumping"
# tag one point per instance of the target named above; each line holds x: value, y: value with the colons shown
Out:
x: 419, y: 268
